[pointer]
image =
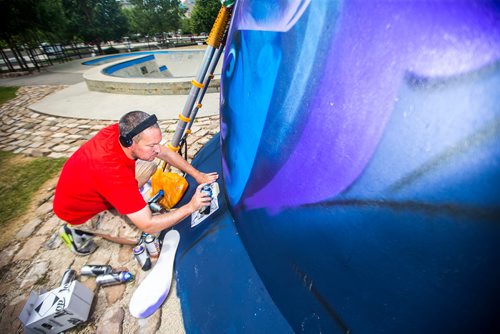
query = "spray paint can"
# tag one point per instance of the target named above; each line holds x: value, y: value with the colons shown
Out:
x: 206, y: 189
x: 114, y: 278
x: 152, y: 245
x: 153, y: 205
x: 95, y: 270
x: 68, y: 277
x: 142, y: 257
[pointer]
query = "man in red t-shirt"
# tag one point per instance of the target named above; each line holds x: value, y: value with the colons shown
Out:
x: 106, y: 173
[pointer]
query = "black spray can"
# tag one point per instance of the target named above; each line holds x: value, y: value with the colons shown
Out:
x: 68, y: 277
x: 206, y: 189
x: 114, y: 278
x: 142, y: 257
x: 95, y: 270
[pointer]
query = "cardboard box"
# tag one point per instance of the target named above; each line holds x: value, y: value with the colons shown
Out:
x: 58, y: 309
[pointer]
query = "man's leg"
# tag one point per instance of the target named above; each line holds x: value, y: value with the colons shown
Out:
x: 78, y: 242
x: 110, y: 225
x: 143, y: 171
x: 107, y: 225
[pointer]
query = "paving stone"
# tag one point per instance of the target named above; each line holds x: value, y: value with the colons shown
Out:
x: 60, y: 148
x: 114, y: 293
x: 125, y: 254
x: 36, y: 144
x: 50, y: 225
x: 74, y: 131
x: 37, y: 139
x: 41, y: 153
x: 54, y: 241
x: 43, y: 209
x: 45, y: 197
x: 58, y: 155
x: 171, y: 324
x: 27, y: 229
x: 29, y: 126
x: 18, y: 150
x: 36, y: 272
x: 56, y: 141
x: 8, y: 253
x: 150, y: 324
x: 30, y: 248
x: 111, y: 321
x: 9, y: 321
x: 100, y: 256
x: 59, y: 135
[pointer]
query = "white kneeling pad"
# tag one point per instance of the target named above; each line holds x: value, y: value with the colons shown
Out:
x: 153, y: 291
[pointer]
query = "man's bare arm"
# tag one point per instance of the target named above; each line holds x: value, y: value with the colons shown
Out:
x: 176, y: 160
x: 149, y: 223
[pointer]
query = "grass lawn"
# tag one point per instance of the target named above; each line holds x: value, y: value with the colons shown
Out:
x: 20, y: 176
x: 7, y: 93
x: 20, y: 179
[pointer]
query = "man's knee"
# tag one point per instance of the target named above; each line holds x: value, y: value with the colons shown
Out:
x: 144, y: 170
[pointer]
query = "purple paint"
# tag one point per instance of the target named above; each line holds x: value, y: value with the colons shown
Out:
x: 358, y: 87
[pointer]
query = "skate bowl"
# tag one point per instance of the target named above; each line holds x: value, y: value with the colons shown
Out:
x: 148, y: 73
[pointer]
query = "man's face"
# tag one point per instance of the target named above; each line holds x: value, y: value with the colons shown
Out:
x: 148, y: 146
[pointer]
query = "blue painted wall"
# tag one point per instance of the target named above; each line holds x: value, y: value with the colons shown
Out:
x: 361, y: 163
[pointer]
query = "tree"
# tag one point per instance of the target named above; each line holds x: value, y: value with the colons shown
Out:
x: 95, y: 21
x: 186, y: 26
x: 26, y: 22
x: 151, y: 17
x: 204, y: 14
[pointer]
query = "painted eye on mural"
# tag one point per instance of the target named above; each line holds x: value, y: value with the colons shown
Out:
x: 230, y: 62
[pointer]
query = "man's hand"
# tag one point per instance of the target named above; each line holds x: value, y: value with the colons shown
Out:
x: 199, y: 199
x: 150, y: 223
x: 202, y: 178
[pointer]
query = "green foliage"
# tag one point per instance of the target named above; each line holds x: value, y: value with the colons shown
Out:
x: 7, y: 93
x: 20, y: 179
x: 204, y: 14
x: 186, y: 26
x: 111, y: 50
x: 29, y: 21
x: 151, y: 17
x: 95, y: 21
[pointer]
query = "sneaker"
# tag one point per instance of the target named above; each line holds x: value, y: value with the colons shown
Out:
x: 78, y: 242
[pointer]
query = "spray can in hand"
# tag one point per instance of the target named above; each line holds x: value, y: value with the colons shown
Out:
x: 207, y: 190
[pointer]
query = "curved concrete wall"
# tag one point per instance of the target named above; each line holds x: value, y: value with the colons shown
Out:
x: 361, y: 164
x: 156, y: 73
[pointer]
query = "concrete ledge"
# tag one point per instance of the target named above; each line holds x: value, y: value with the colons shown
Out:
x: 78, y: 102
x: 98, y: 81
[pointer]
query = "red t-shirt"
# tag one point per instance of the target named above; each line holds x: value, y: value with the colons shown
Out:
x: 97, y: 177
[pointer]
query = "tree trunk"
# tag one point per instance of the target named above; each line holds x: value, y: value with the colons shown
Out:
x: 19, y: 62
x: 7, y: 61
x: 32, y: 57
x: 99, y: 49
x: 75, y: 47
x: 22, y: 59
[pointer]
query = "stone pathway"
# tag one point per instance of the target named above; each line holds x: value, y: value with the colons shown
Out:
x: 34, y: 134
x: 36, y: 257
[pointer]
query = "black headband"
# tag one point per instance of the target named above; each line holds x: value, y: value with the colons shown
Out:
x: 126, y: 139
x: 150, y: 121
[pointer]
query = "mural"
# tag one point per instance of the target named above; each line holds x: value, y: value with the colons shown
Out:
x: 360, y: 159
